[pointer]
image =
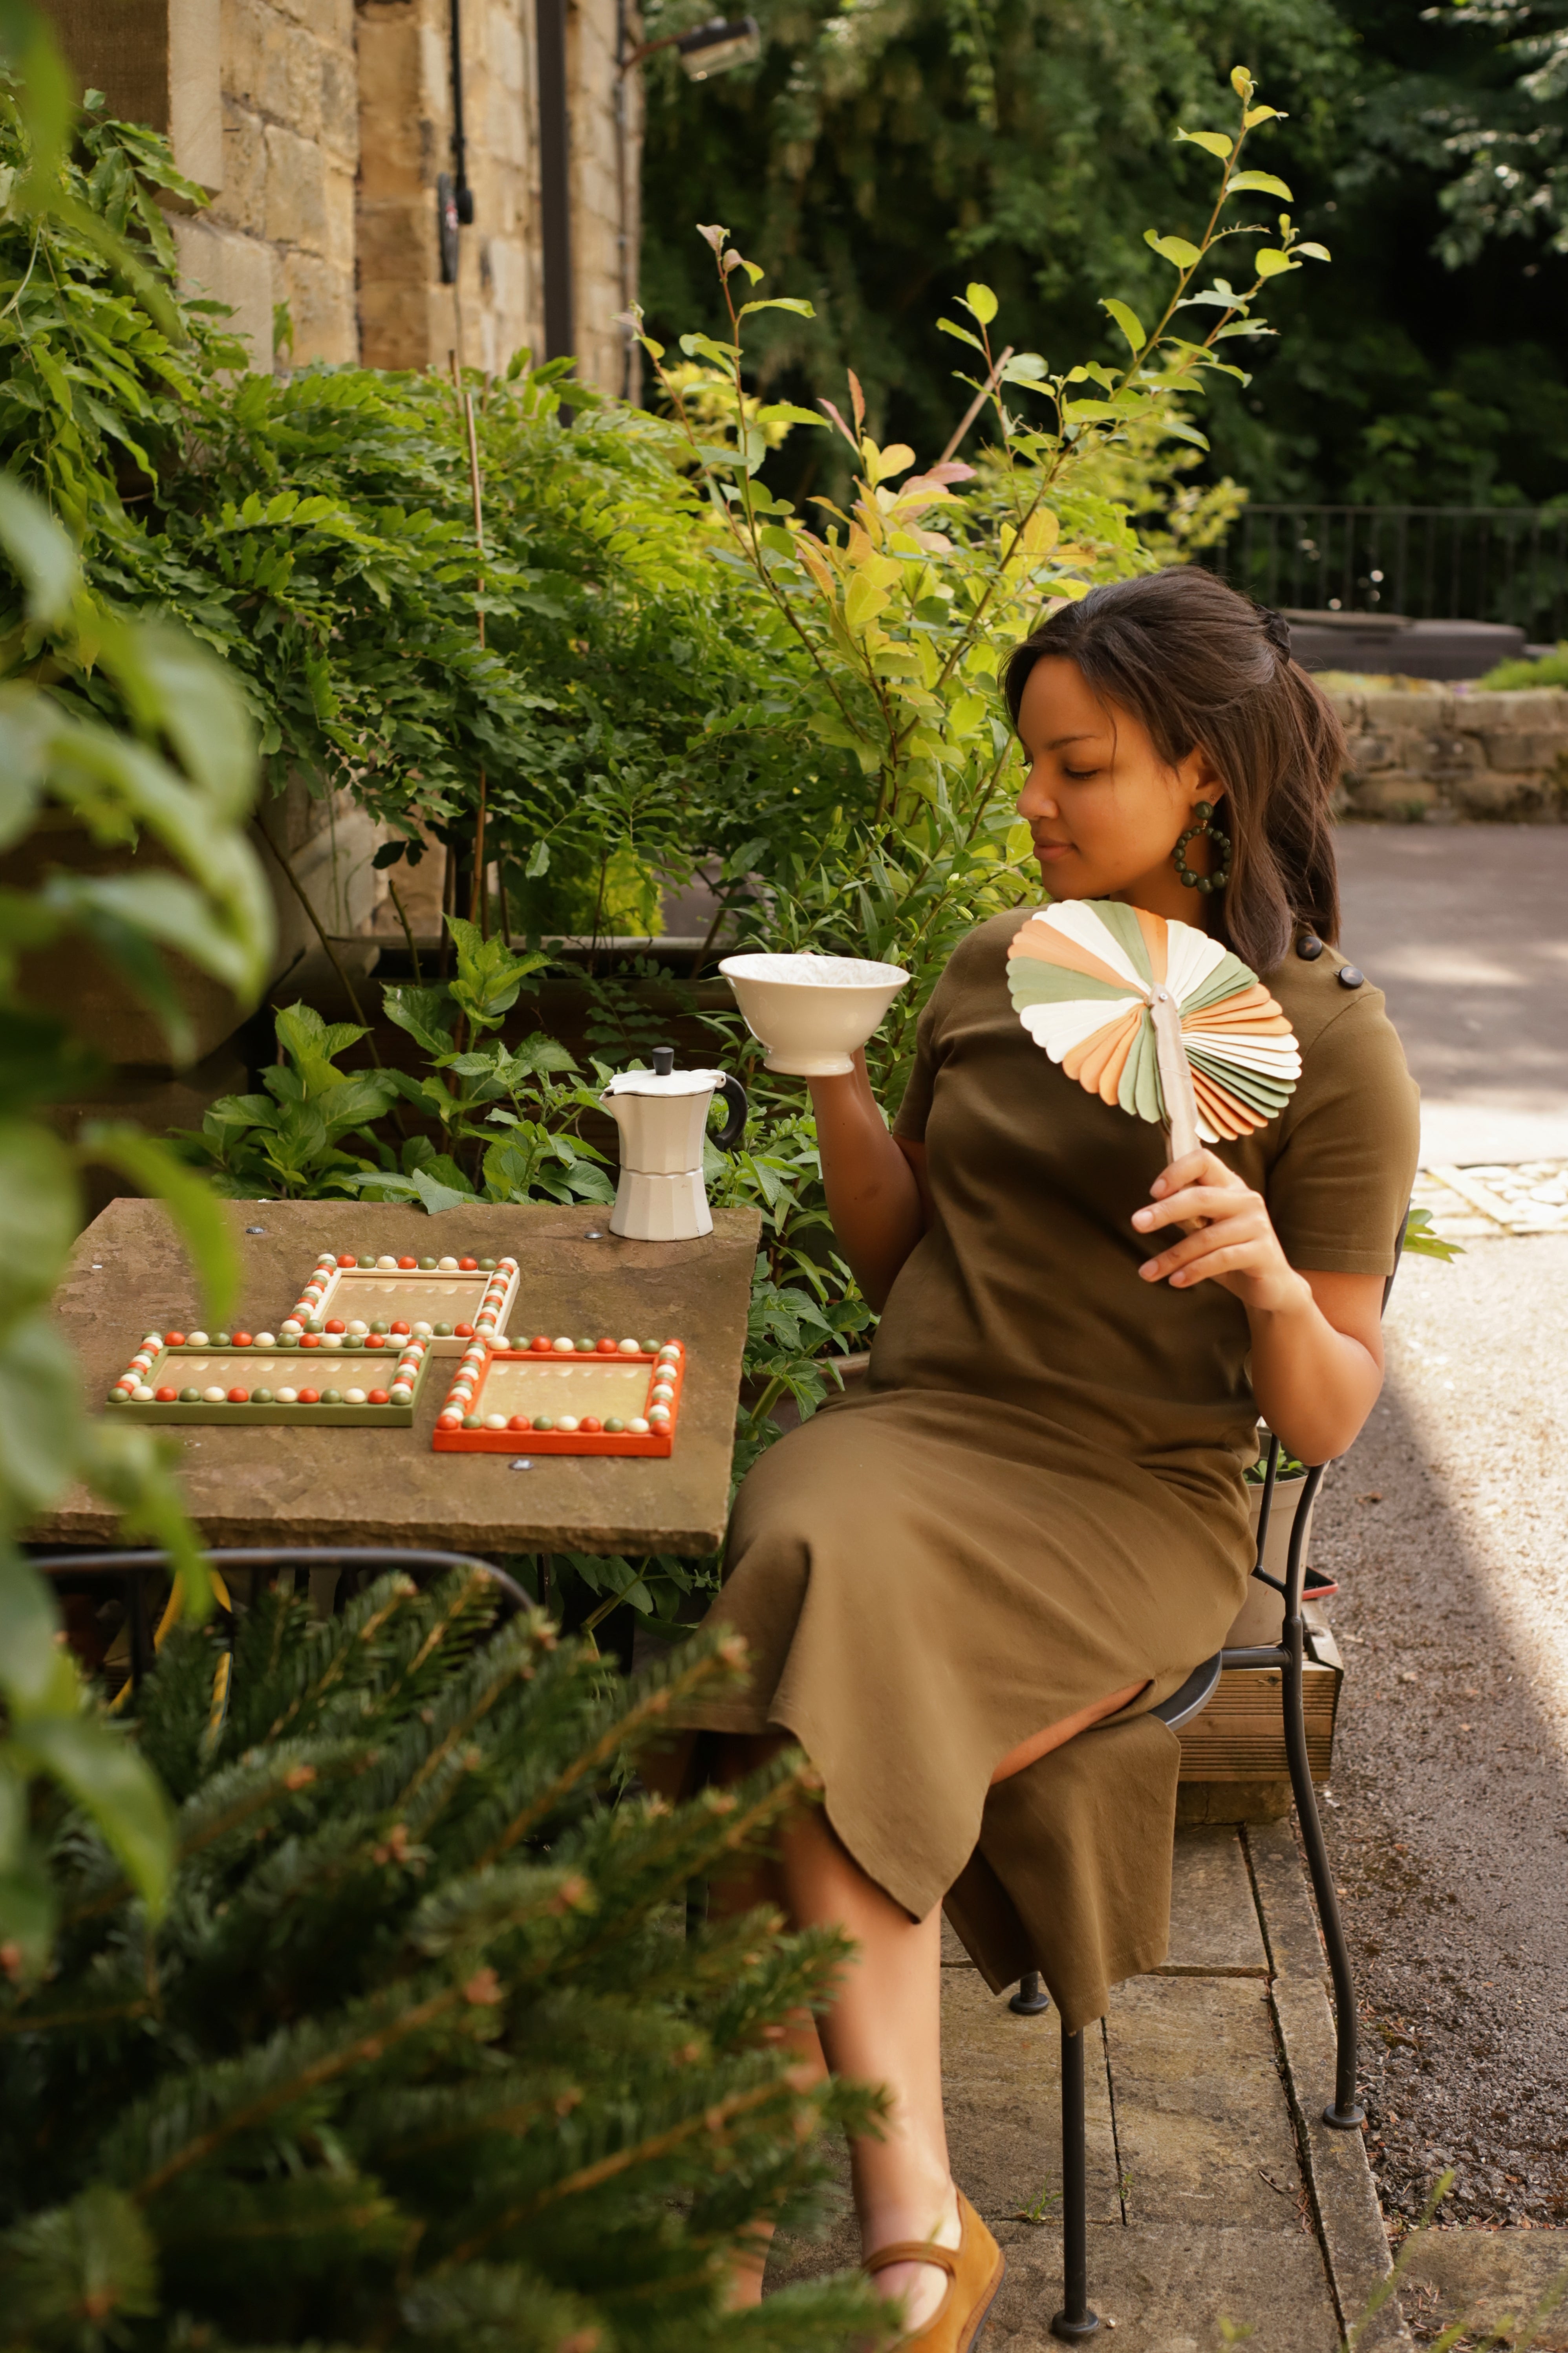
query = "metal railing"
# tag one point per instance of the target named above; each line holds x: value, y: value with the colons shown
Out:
x: 1430, y: 563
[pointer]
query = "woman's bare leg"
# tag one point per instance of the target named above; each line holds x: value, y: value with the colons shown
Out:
x: 884, y: 2027
x: 1057, y: 1736
x: 885, y: 2024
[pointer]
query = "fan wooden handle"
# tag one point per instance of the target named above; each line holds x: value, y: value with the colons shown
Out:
x: 1177, y: 1085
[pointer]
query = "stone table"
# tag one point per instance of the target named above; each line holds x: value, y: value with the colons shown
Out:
x: 301, y: 1486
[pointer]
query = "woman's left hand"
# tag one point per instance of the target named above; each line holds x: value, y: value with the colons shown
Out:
x: 1236, y: 1245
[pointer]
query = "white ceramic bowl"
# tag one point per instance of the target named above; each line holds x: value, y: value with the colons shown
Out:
x: 812, y: 1011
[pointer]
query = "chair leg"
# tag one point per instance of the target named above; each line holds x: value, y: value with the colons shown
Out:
x: 1345, y: 2113
x: 1031, y: 1997
x: 1077, y: 2317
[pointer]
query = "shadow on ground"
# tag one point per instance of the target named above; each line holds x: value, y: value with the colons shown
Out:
x: 1450, y: 1818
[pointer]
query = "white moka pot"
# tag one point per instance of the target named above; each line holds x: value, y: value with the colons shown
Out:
x: 662, y: 1115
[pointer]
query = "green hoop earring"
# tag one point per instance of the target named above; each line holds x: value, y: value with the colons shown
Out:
x: 1205, y: 882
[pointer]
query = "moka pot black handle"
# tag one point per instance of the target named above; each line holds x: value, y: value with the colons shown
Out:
x: 734, y: 1127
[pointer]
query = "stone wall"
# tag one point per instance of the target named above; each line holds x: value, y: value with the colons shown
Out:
x: 318, y: 128
x: 1415, y: 754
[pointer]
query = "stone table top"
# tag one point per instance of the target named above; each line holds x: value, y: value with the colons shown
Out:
x: 257, y: 1485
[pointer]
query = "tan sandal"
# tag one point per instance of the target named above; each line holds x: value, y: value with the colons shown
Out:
x: 973, y: 2268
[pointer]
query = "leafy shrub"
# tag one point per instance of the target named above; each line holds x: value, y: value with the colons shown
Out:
x: 182, y: 772
x: 1508, y: 677
x: 422, y: 2052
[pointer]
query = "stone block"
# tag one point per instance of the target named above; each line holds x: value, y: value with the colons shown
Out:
x: 1488, y: 2279
x: 1418, y: 708
x: 1370, y: 749
x: 395, y: 321
x: 338, y: 208
x: 1519, y: 749
x: 243, y: 203
x: 1002, y: 2090
x: 1213, y: 1920
x: 1203, y: 2125
x: 1491, y: 793
x: 340, y: 106
x: 234, y: 270
x: 1396, y: 793
x: 397, y: 241
x: 1169, y: 2292
x: 296, y: 191
x: 245, y: 24
x: 1444, y: 751
x: 321, y: 303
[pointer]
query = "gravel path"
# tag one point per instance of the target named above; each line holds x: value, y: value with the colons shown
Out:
x: 1448, y: 1527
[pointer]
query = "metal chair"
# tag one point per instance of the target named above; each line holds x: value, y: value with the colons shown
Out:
x: 1077, y: 2318
x: 132, y: 1568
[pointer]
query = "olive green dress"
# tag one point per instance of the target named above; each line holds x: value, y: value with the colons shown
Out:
x: 1036, y: 1498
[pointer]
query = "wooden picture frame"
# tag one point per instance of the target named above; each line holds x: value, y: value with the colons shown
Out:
x: 400, y: 1295
x: 493, y: 1405
x: 176, y: 1377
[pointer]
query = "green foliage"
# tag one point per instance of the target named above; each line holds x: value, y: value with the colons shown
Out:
x: 180, y: 771
x: 421, y: 2052
x: 1509, y: 677
x: 889, y: 153
x: 903, y: 605
x: 1423, y: 1241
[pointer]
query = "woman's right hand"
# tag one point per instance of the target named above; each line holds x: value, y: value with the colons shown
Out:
x: 877, y: 1195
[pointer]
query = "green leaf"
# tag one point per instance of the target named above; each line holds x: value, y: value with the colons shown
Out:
x: 981, y: 300
x: 1272, y: 262
x: 1263, y: 183
x: 962, y: 335
x: 1312, y: 251
x: 428, y: 1015
x: 1214, y: 141
x: 783, y: 302
x: 40, y: 1210
x: 94, y: 2256
x: 1174, y: 250
x: 45, y: 560
x: 538, y: 860
x: 203, y: 1224
x: 104, y: 1775
x: 1130, y: 325
x: 197, y: 704
x: 40, y: 1407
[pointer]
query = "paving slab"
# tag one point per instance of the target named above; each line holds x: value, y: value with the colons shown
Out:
x: 1511, y: 2282
x: 1200, y: 2211
x: 1202, y: 2123
x: 1214, y: 1928
x: 1169, y: 2291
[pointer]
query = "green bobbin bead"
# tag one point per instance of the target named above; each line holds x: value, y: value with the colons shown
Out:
x: 543, y: 1421
x: 472, y: 1421
x: 587, y: 1348
x: 332, y: 1397
x: 221, y: 1340
x: 487, y: 1266
x: 364, y: 1262
x: 441, y: 1331
x: 426, y: 1266
x: 262, y: 1396
x: 614, y: 1428
x: 190, y: 1396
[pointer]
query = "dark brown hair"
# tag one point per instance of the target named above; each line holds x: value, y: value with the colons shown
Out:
x: 1199, y: 665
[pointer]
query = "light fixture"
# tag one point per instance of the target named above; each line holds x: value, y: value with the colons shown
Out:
x: 707, y: 50
x: 718, y: 45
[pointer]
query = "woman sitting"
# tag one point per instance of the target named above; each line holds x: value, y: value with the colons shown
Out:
x: 1030, y: 1519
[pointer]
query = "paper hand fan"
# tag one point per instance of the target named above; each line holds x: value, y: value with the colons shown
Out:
x: 1155, y: 1015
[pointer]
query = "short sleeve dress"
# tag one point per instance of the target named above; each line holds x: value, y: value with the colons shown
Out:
x: 1036, y: 1498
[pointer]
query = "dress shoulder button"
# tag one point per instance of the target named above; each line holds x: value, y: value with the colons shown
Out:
x: 1350, y: 977
x: 1309, y: 948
